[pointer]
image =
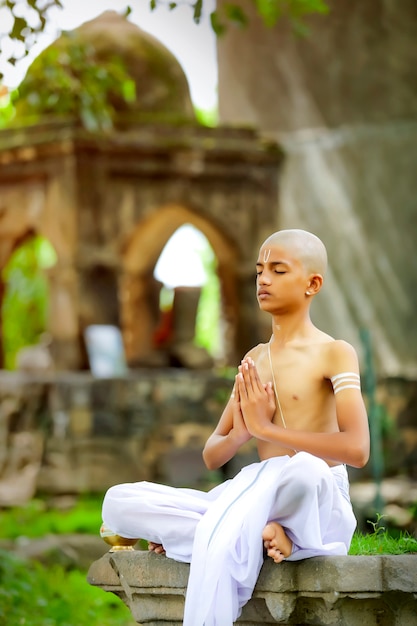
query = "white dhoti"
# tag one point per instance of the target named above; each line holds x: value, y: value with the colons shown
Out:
x: 220, y: 532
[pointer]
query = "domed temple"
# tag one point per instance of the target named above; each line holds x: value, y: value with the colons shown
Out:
x: 113, y: 44
x: 109, y: 201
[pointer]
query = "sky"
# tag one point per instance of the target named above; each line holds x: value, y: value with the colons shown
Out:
x: 193, y: 44
x: 180, y: 262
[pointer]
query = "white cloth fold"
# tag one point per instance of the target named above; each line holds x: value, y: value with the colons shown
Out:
x: 220, y: 532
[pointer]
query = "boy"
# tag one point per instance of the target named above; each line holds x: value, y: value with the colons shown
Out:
x: 299, y: 397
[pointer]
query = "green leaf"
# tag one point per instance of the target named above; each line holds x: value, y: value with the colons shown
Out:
x: 207, y: 117
x: 269, y: 10
x: 129, y: 90
x: 218, y: 27
x: 88, y: 119
x: 198, y: 8
x: 19, y: 25
x: 235, y: 14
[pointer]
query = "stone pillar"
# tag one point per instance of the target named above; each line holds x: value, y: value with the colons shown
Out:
x: 63, y: 320
x: 182, y: 349
x: 139, y: 301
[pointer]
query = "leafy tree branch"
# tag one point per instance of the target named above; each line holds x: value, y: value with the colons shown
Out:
x: 28, y: 18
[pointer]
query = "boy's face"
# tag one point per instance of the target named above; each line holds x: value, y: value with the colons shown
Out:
x: 281, y: 279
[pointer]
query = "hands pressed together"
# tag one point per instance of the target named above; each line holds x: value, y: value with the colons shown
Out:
x: 253, y: 402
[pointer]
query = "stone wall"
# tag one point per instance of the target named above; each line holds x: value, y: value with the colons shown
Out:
x: 96, y: 432
x: 335, y: 591
x: 72, y: 433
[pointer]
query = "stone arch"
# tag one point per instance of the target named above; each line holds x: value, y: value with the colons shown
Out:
x: 31, y: 221
x: 139, y: 290
x: 31, y: 205
x: 22, y: 236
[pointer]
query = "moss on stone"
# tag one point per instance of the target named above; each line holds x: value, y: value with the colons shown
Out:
x: 161, y: 86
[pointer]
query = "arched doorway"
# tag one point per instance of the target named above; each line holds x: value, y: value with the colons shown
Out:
x: 140, y: 289
x: 190, y: 297
x: 25, y: 302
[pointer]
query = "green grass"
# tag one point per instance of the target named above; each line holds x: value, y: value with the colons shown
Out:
x: 37, y: 518
x: 382, y: 541
x: 33, y: 595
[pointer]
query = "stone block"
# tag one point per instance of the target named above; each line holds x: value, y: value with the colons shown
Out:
x: 400, y: 573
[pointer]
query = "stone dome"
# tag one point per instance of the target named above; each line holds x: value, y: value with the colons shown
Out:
x: 161, y: 85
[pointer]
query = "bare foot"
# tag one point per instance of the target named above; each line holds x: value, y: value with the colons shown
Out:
x: 278, y: 545
x: 158, y: 548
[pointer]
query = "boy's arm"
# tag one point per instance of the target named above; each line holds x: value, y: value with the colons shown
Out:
x: 229, y: 435
x: 349, y: 445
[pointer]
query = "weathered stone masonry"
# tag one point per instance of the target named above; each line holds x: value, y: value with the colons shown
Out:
x: 109, y: 204
x: 331, y: 591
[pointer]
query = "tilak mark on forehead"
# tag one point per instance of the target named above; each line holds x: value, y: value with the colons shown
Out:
x: 267, y: 254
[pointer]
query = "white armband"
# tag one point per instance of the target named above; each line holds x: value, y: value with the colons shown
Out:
x: 345, y: 380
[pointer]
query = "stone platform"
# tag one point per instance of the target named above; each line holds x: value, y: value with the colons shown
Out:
x: 331, y: 591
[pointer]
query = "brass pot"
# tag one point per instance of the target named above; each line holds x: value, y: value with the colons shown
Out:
x: 116, y: 541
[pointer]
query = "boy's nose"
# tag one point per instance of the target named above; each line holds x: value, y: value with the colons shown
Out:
x: 264, y: 279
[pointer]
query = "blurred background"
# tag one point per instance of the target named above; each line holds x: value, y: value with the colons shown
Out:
x: 146, y: 150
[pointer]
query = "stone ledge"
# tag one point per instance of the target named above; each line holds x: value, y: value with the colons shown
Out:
x: 333, y: 591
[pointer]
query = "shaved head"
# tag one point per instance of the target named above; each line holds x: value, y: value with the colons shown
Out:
x: 305, y: 246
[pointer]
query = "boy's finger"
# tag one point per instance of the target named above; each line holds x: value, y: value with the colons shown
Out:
x: 246, y: 374
x: 255, y: 382
x: 235, y: 396
x: 241, y: 385
x: 270, y: 391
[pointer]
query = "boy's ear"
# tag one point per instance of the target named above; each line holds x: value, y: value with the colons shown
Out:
x: 315, y: 283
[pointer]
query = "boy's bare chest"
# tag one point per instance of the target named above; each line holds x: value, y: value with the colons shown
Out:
x: 296, y: 374
x: 305, y: 395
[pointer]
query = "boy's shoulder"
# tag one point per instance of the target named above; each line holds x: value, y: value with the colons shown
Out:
x: 341, y: 356
x: 332, y: 350
x: 257, y: 350
x: 332, y: 345
x: 327, y: 342
x: 340, y: 346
